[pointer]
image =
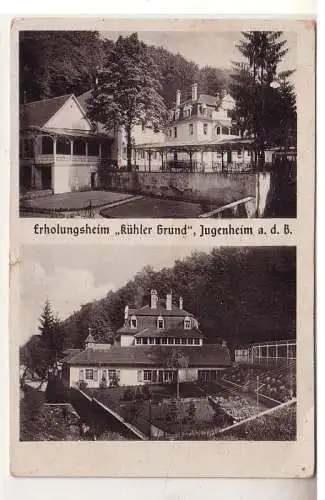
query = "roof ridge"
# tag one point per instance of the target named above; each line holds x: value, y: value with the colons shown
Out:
x: 48, y: 99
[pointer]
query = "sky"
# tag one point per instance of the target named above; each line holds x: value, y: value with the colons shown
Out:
x: 212, y: 48
x: 70, y: 276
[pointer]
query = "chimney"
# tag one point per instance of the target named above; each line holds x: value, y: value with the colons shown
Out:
x: 194, y: 92
x: 169, y: 302
x: 181, y: 302
x: 178, y: 98
x: 154, y: 299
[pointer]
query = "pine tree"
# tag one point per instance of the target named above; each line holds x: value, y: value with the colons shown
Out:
x: 52, y: 335
x: 265, y: 100
x: 127, y: 93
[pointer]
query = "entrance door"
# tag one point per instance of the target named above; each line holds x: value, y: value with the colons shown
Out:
x: 229, y: 157
x: 46, y: 173
x: 93, y: 179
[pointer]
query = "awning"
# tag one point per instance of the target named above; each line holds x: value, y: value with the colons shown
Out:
x: 212, y: 145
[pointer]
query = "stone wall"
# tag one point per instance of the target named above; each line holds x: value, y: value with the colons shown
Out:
x: 221, y: 188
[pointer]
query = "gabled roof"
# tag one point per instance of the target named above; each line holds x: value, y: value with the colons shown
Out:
x: 208, y: 355
x: 83, y: 100
x: 208, y: 99
x: 38, y: 113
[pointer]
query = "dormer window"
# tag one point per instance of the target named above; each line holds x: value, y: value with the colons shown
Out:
x: 133, y: 322
x: 187, y: 323
x: 160, y: 323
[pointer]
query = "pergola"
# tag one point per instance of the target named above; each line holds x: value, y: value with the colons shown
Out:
x: 219, y: 146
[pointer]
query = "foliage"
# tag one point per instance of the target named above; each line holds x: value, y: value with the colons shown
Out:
x: 82, y: 384
x: 128, y: 394
x: 42, y: 423
x: 248, y: 294
x: 128, y: 90
x: 114, y: 381
x: 41, y: 352
x: 265, y: 99
x: 54, y: 63
x: 191, y: 411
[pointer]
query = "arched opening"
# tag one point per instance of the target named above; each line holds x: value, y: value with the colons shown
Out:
x: 218, y: 130
x: 47, y: 145
x: 79, y: 147
x: 63, y: 146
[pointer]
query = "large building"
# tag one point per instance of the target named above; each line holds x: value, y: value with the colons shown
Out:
x: 60, y: 149
x: 200, y: 137
x: 157, y: 343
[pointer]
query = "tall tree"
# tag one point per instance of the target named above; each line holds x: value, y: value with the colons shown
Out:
x: 52, y: 335
x: 265, y: 100
x: 128, y: 89
x: 54, y: 63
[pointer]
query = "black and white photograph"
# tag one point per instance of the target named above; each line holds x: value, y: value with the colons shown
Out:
x: 167, y: 124
x: 180, y: 344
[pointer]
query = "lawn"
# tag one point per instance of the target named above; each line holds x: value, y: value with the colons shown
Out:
x: 79, y: 200
x: 154, y: 207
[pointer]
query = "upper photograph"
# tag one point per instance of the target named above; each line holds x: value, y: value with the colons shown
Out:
x: 168, y: 124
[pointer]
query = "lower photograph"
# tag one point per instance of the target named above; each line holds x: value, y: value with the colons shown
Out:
x: 157, y: 343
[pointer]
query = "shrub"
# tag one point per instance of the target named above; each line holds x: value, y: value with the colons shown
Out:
x: 82, y: 385
x: 128, y: 394
x: 103, y: 383
x: 191, y: 411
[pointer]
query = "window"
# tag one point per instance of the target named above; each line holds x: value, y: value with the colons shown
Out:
x: 160, y: 323
x: 133, y: 322
x: 170, y: 340
x: 218, y: 130
x: 81, y: 374
x: 151, y: 340
x: 104, y: 374
x: 225, y: 130
x: 187, y: 323
x: 138, y: 341
x: 197, y: 341
x: 177, y: 341
x: 158, y: 340
x: 190, y: 129
x: 190, y: 341
x: 205, y: 128
x: 170, y: 132
x: 175, y: 132
x: 147, y: 375
x: 91, y: 374
x: 164, y: 340
x: 144, y: 340
x: 184, y: 341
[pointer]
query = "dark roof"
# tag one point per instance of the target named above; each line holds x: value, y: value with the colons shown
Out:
x: 38, y: 113
x: 201, y: 356
x: 69, y: 353
x: 160, y: 311
x: 172, y: 332
x: 210, y: 100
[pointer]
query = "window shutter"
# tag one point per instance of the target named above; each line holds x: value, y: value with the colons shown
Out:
x: 95, y: 375
x: 81, y: 374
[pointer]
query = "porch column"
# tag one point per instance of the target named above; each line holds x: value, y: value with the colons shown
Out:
x: 222, y: 165
x: 71, y: 147
x: 191, y: 164
x: 162, y: 160
x: 149, y: 159
x: 202, y: 163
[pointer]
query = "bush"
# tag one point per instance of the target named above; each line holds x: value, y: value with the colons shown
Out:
x: 146, y: 392
x: 82, y: 385
x: 103, y: 383
x: 191, y: 411
x: 128, y: 394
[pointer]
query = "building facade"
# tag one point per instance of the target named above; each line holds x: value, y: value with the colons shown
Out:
x: 200, y: 137
x: 60, y: 149
x: 158, y: 343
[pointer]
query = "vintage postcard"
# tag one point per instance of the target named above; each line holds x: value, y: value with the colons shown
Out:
x: 162, y: 242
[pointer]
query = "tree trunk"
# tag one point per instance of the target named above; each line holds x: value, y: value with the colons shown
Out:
x: 129, y: 147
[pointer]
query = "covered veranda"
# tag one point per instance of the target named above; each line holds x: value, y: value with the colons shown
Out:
x: 228, y: 155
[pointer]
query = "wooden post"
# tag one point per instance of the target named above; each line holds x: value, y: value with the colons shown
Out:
x: 149, y: 159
